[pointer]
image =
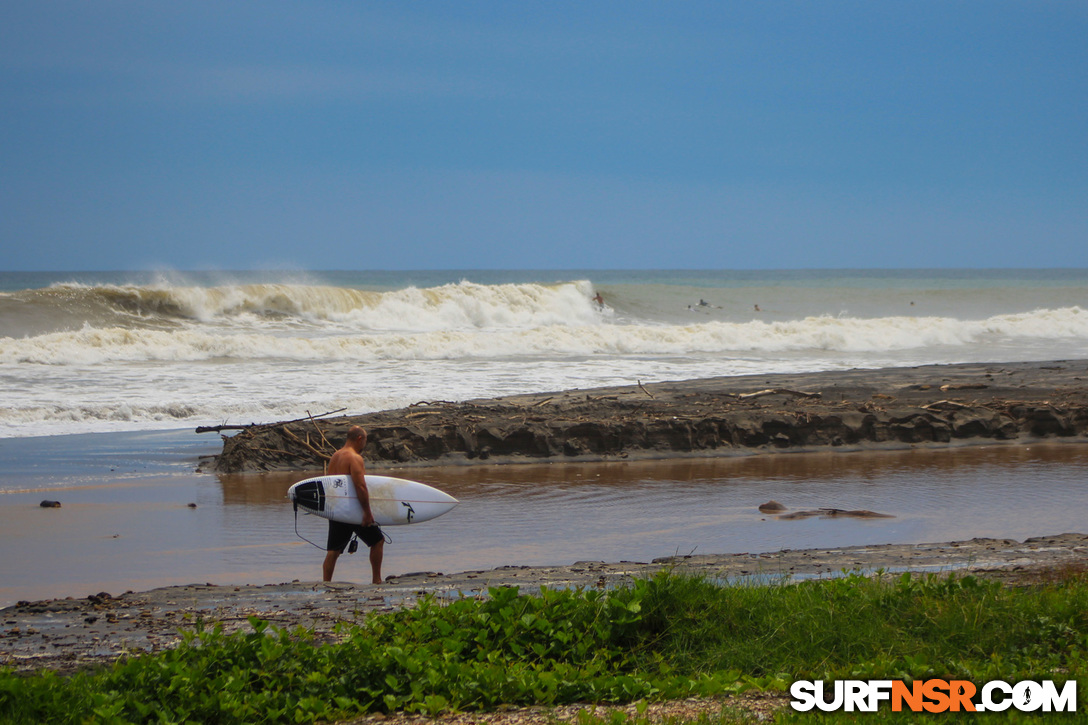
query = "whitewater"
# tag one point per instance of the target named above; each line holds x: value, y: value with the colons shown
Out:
x: 96, y: 352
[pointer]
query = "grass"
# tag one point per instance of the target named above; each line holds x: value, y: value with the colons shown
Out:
x: 666, y: 637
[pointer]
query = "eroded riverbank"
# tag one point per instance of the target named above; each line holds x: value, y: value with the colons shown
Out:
x: 933, y: 405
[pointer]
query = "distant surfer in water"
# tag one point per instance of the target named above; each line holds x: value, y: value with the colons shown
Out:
x: 348, y: 461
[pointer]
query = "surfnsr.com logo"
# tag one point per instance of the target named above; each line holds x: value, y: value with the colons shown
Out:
x: 934, y: 695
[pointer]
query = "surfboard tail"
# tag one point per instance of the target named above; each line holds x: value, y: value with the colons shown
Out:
x: 310, y: 495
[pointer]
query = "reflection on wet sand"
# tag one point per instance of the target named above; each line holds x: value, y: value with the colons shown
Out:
x: 523, y: 479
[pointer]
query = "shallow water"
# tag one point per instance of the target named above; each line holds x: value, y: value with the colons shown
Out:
x: 125, y: 522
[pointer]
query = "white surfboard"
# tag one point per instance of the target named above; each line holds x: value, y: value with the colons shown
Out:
x: 393, y: 501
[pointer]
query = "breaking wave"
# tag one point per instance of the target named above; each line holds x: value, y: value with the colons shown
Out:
x: 118, y: 356
x: 516, y: 336
x: 454, y: 306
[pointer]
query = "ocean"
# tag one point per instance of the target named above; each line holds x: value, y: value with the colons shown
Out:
x: 105, y: 376
x: 114, y: 351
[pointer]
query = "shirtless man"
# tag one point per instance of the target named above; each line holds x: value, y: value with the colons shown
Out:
x: 349, y: 461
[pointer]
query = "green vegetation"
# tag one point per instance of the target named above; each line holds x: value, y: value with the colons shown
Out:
x: 666, y: 637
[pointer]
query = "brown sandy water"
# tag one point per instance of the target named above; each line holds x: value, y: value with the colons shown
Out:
x: 125, y: 524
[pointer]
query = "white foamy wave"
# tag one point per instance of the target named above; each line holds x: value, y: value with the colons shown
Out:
x: 453, y: 306
x: 91, y: 346
x: 61, y: 418
x: 468, y: 306
x: 853, y: 334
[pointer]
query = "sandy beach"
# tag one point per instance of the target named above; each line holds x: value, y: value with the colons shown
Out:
x: 69, y: 632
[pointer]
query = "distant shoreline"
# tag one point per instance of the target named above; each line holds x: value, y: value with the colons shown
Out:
x: 930, y: 406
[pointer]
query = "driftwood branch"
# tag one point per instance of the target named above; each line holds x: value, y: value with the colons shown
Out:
x: 301, y: 442
x: 219, y: 428
x: 320, y: 432
x: 250, y: 426
x: 421, y: 413
x: 944, y: 405
x: 644, y: 389
x: 778, y: 391
x: 276, y: 451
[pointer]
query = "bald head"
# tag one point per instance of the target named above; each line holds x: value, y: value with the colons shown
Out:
x: 356, y: 434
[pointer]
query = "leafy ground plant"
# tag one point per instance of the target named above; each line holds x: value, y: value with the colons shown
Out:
x: 661, y: 638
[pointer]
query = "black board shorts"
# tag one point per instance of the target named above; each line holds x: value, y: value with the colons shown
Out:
x: 340, y: 534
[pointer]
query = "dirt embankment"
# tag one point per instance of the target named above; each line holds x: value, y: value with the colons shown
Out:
x: 932, y: 405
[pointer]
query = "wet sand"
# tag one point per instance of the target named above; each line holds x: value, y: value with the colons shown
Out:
x: 65, y: 634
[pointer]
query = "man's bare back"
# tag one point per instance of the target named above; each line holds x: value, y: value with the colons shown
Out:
x: 349, y: 462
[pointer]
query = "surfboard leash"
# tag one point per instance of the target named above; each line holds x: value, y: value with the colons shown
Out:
x: 353, y: 545
x: 299, y: 535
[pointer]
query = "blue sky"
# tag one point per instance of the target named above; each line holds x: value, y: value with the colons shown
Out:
x: 543, y: 135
